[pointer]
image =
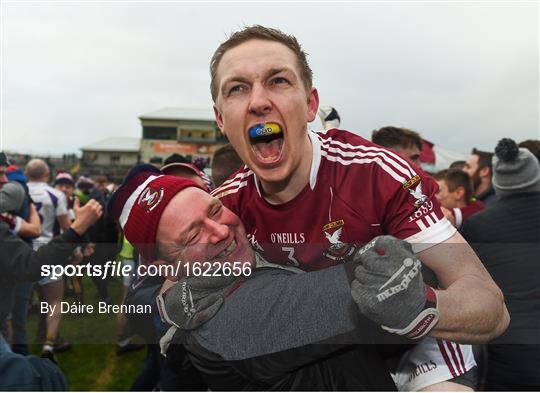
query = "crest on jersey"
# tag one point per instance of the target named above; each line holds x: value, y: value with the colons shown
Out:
x: 337, y: 250
x: 416, y: 192
x: 150, y: 198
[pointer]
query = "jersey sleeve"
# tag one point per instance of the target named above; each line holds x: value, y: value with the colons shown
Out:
x: 229, y: 193
x: 61, y: 208
x: 411, y: 210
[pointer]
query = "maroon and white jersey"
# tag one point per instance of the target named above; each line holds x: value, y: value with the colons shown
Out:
x: 357, y: 190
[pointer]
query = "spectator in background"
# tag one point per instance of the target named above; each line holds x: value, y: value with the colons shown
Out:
x: 128, y: 257
x: 506, y: 237
x: 224, y: 163
x: 201, y: 163
x: 26, y: 222
x: 64, y: 183
x: 29, y: 229
x: 103, y: 234
x: 20, y: 263
x: 455, y: 196
x: 52, y: 208
x: 174, y: 165
x: 457, y: 165
x: 175, y: 157
x: 4, y: 163
x: 533, y: 145
x: 85, y: 185
x: 478, y: 166
x: 101, y: 182
x: 407, y: 143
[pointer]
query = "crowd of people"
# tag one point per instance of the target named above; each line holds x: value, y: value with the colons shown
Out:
x: 357, y: 269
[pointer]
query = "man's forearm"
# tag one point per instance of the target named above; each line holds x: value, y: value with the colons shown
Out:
x: 471, y: 311
x: 278, y: 310
x: 21, y: 263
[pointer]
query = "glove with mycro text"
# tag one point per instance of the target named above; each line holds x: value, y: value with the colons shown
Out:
x: 192, y: 301
x: 388, y: 288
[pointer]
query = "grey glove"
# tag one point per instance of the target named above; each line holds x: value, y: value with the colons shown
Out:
x: 193, y: 300
x: 389, y: 289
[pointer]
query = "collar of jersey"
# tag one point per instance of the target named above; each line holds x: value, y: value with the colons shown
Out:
x: 315, y: 162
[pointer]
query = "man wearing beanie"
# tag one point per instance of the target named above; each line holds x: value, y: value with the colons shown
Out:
x: 172, y: 219
x: 506, y: 237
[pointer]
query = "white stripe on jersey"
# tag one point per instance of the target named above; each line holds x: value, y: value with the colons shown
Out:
x: 233, y: 186
x: 376, y: 160
x: 396, y: 160
x: 236, y: 177
x: 372, y: 153
x: 231, y: 190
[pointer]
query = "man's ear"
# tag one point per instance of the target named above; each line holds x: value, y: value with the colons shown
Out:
x: 219, y: 119
x: 459, y: 193
x: 313, y: 104
x: 485, y: 172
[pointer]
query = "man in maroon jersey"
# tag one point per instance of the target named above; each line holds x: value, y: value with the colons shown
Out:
x: 304, y: 197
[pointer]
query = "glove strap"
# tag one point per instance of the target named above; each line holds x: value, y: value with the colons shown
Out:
x: 160, y: 301
x: 424, y: 321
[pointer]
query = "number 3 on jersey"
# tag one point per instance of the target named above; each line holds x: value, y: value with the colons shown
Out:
x: 292, y: 260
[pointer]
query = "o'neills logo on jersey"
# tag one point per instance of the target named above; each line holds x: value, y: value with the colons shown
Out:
x: 288, y: 238
x: 150, y: 198
x: 337, y: 250
x: 413, y: 180
x: 422, y: 368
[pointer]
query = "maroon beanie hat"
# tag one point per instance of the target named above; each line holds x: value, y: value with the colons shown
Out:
x: 139, y: 202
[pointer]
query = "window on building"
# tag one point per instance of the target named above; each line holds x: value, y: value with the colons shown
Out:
x: 168, y: 133
x: 115, y: 158
x: 90, y: 157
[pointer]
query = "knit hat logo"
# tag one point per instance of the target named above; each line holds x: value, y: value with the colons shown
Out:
x: 150, y: 198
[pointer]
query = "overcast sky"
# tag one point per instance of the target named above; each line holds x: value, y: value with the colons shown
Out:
x: 462, y: 74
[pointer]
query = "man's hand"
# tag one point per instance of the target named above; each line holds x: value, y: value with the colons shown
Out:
x: 87, y: 216
x: 12, y: 221
x: 193, y: 301
x: 89, y: 249
x: 389, y: 289
x: 449, y: 214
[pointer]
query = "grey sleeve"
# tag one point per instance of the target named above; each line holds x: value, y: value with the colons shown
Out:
x: 276, y: 310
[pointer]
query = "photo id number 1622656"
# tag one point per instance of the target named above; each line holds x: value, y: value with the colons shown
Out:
x: 218, y: 269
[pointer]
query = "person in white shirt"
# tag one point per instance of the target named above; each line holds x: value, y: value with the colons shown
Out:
x: 52, y: 208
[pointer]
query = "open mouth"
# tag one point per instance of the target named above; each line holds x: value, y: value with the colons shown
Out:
x: 266, y: 141
x: 225, y: 253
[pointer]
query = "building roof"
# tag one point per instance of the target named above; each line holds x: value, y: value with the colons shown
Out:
x: 116, y: 144
x: 180, y: 114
